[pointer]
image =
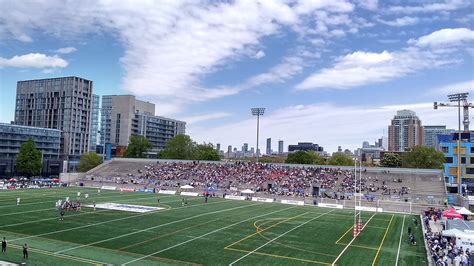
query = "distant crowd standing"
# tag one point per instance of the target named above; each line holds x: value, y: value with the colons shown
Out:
x: 268, y: 178
x: 443, y: 250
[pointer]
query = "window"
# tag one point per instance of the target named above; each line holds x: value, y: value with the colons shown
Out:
x: 471, y: 160
x: 449, y: 159
x: 469, y: 171
x: 463, y: 160
x: 445, y: 149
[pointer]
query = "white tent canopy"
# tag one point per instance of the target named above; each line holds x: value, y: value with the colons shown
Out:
x: 452, y: 232
x: 248, y: 191
x: 464, y: 211
x: 187, y: 187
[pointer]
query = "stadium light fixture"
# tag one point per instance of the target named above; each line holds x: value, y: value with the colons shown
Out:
x: 257, y: 112
x: 459, y: 97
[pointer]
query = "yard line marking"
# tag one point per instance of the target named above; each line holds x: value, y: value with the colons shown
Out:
x: 113, y: 220
x: 285, y: 220
x: 273, y: 239
x: 84, y: 213
x: 348, y: 230
x: 206, y: 234
x: 48, y: 253
x: 400, y: 242
x: 154, y: 227
x: 349, y: 244
x: 383, y: 240
x: 279, y: 256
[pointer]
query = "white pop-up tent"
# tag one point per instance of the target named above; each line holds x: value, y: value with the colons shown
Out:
x: 464, y: 211
x: 464, y: 239
x: 247, y: 191
x: 187, y: 187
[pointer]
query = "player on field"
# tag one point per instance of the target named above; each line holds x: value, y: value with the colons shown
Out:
x: 205, y: 199
x: 17, y: 201
x: 186, y: 202
x: 182, y: 202
x: 98, y: 192
x: 78, y: 194
x: 61, y: 214
x: 158, y: 199
x: 25, y: 251
x: 86, y: 196
x: 4, y: 245
x: 93, y: 204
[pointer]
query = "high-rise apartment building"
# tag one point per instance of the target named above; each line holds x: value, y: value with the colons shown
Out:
x: 245, y: 148
x: 431, y: 134
x: 405, y: 131
x: 124, y: 116
x: 269, y: 146
x: 59, y: 103
x: 280, y: 147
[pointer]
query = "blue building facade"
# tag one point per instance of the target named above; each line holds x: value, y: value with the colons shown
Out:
x: 448, y: 146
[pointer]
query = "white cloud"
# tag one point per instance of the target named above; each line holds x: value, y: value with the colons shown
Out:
x: 458, y: 87
x: 400, y: 22
x: 368, y: 4
x: 431, y: 6
x: 259, y: 54
x: 33, y: 60
x: 329, y: 125
x: 445, y: 38
x: 364, y: 68
x: 66, y: 50
x: 205, y: 117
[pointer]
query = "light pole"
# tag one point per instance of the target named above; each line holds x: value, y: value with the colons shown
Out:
x: 458, y: 97
x: 258, y: 112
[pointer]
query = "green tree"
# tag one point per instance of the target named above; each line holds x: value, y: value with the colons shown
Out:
x: 180, y: 147
x: 391, y: 160
x: 205, y: 152
x: 28, y: 160
x: 340, y: 158
x: 423, y: 157
x: 88, y: 161
x: 300, y: 157
x: 137, y: 147
x: 317, y: 159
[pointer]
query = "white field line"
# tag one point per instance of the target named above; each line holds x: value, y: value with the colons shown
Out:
x: 273, y: 239
x: 400, y: 242
x: 344, y: 250
x: 110, y: 221
x: 13, y: 213
x: 82, y: 213
x: 52, y: 201
x: 204, y: 235
x: 154, y: 227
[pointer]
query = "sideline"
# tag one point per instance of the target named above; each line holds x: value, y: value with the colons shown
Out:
x: 400, y: 242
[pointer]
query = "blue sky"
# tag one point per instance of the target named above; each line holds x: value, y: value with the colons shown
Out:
x: 333, y: 72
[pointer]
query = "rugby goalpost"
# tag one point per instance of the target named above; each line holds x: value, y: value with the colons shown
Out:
x: 357, y: 228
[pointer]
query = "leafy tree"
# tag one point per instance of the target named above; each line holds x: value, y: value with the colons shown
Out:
x: 205, y: 152
x: 317, y: 159
x: 88, y: 161
x: 340, y: 158
x: 391, y: 160
x: 423, y: 157
x: 180, y: 147
x: 299, y: 157
x: 28, y: 160
x: 137, y: 146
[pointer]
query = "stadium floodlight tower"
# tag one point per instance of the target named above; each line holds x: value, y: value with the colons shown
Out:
x: 461, y: 99
x: 258, y: 112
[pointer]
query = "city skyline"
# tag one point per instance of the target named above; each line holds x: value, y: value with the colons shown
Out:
x: 330, y: 72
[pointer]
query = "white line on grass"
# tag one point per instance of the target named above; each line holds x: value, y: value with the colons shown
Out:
x: 344, y: 250
x: 79, y: 214
x: 154, y: 227
x: 273, y: 239
x: 400, y: 242
x: 110, y: 221
x: 204, y: 235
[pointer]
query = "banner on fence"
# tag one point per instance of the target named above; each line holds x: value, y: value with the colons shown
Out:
x: 108, y: 188
x: 235, y: 197
x: 329, y: 205
x: 369, y: 209
x: 186, y: 193
x: 262, y: 199
x: 127, y: 189
x: 294, y: 202
x: 169, y: 192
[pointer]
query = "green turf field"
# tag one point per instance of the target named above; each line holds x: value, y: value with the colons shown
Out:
x: 220, y: 232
